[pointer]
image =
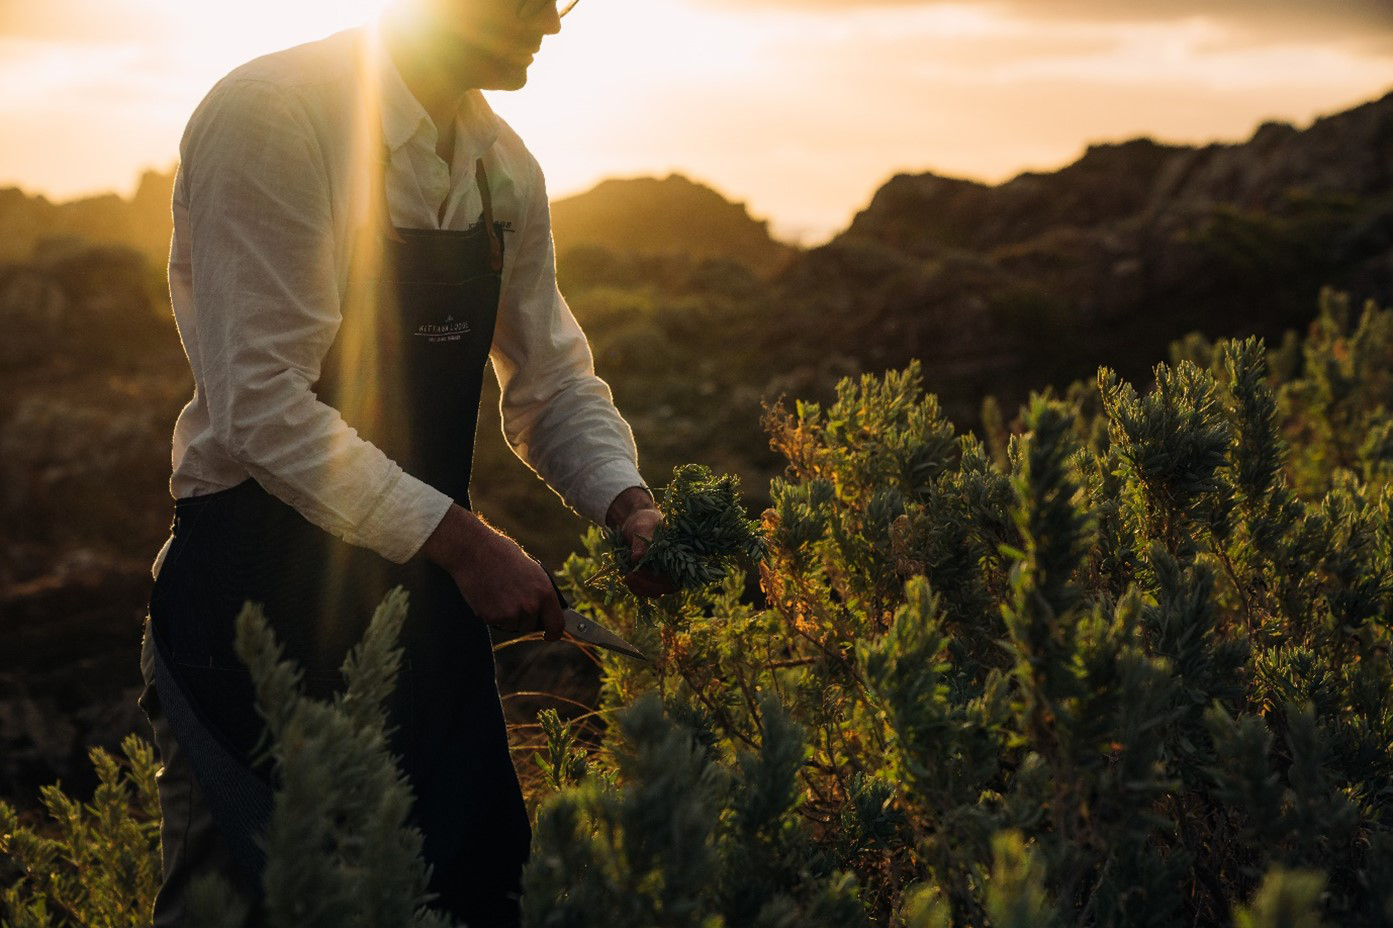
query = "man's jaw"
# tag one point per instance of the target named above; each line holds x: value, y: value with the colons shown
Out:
x: 493, y: 63
x: 474, y: 57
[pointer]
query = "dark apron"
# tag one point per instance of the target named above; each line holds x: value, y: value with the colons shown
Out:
x: 405, y: 370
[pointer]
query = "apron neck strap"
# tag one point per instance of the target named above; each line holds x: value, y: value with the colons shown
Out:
x: 384, y: 209
x: 481, y: 179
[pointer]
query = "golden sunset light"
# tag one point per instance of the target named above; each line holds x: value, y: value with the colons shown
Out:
x: 845, y: 463
x: 800, y: 109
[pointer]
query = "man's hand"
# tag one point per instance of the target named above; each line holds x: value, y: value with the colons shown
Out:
x: 503, y: 585
x: 635, y: 516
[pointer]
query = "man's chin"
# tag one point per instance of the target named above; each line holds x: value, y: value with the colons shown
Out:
x: 492, y: 72
x: 508, y: 79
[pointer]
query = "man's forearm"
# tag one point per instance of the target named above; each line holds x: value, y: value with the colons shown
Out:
x: 454, y: 539
x: 499, y: 581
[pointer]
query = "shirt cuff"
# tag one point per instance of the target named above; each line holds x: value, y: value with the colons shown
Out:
x: 404, y: 517
x: 599, y: 486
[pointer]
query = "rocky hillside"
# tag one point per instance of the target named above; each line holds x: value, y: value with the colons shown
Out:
x: 1043, y: 277
x: 91, y: 377
x: 143, y: 222
x: 673, y: 215
x: 642, y: 216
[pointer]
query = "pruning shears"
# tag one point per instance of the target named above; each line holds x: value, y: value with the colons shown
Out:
x: 588, y: 631
x: 592, y: 632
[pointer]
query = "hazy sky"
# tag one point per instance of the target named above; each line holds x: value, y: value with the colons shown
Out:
x: 799, y: 107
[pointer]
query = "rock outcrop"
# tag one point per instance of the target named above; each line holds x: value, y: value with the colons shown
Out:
x: 143, y: 222
x: 669, y: 216
x: 1040, y: 279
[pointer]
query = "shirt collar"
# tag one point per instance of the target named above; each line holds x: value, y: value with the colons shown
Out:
x: 403, y: 116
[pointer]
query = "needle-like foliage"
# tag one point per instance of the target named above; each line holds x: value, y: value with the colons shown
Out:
x: 338, y: 847
x: 1128, y: 667
x: 704, y: 536
x: 1123, y: 664
x: 99, y: 864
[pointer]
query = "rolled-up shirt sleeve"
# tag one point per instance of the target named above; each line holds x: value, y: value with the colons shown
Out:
x: 558, y: 416
x: 266, y: 309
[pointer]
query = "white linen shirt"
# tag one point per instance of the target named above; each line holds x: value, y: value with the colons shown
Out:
x: 267, y: 205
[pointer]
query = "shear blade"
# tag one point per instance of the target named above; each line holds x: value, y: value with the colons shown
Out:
x: 592, y: 632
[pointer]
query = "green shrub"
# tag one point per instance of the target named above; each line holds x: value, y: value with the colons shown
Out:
x: 338, y: 849
x: 1128, y: 667
x: 97, y: 863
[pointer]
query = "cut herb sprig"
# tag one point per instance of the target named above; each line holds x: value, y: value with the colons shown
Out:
x: 705, y: 534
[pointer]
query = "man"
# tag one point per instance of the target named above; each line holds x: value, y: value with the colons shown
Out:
x: 356, y: 234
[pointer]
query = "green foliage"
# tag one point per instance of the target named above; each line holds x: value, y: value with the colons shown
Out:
x: 1172, y: 442
x: 1336, y: 412
x: 98, y: 863
x: 1016, y: 896
x: 687, y: 841
x: 1127, y: 667
x: 338, y: 849
x: 704, y: 536
x: 1285, y: 900
x: 562, y: 761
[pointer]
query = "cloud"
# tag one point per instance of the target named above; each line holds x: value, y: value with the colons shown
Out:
x: 1339, y: 20
x: 1361, y: 21
x: 85, y: 21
